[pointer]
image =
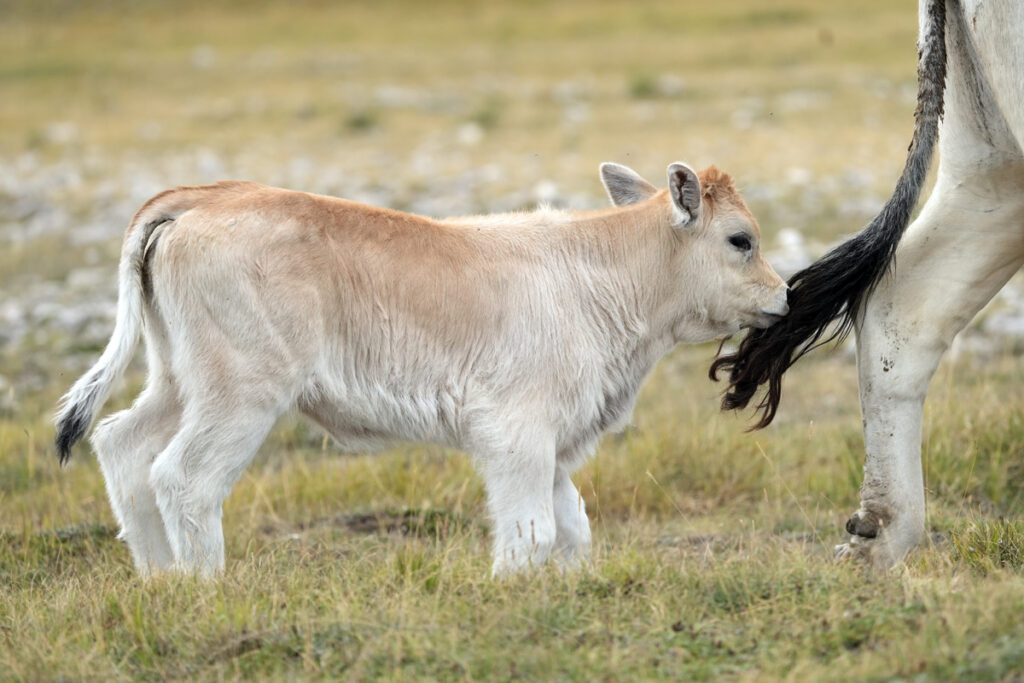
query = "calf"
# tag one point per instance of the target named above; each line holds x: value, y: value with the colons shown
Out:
x: 520, y: 338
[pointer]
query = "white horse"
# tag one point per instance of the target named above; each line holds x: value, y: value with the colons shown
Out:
x: 908, y: 298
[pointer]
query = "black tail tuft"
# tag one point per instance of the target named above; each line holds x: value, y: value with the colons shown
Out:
x: 833, y: 288
x: 70, y: 431
x: 75, y: 419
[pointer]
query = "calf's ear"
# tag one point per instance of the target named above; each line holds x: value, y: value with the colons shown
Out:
x: 624, y: 185
x: 684, y: 188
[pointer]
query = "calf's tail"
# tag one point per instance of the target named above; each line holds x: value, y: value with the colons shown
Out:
x: 78, y: 408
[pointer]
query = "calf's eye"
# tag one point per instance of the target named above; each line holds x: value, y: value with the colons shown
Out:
x: 741, y: 242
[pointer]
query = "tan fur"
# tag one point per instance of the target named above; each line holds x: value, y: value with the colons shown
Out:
x: 452, y: 277
x: 520, y: 338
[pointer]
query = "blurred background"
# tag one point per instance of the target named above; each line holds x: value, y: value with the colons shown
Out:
x: 440, y: 108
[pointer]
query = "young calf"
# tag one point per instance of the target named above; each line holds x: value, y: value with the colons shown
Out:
x: 519, y: 338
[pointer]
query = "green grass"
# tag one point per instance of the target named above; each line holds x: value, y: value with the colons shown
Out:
x: 712, y: 559
x: 712, y: 545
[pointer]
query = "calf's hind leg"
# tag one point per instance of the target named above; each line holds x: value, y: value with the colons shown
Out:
x: 195, y: 473
x: 126, y: 444
x: 968, y: 241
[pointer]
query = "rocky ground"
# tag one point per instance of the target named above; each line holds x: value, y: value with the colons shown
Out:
x: 73, y: 209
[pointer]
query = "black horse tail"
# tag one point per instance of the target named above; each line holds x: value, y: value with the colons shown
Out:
x: 835, y: 287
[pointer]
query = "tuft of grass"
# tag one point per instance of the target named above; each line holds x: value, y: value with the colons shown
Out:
x: 643, y: 86
x: 986, y: 546
x: 487, y: 115
x: 362, y: 120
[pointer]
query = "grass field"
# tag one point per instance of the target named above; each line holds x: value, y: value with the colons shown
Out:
x: 712, y: 545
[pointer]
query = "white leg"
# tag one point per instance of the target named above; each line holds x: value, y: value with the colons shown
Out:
x: 195, y: 473
x: 572, y: 538
x: 126, y: 444
x: 965, y: 245
x: 519, y: 482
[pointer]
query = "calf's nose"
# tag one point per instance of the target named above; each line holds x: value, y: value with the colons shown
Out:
x: 780, y: 306
x: 777, y: 311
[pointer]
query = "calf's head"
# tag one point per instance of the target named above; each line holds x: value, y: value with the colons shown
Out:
x: 719, y: 281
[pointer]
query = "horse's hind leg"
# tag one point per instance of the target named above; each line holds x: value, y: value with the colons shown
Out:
x: 965, y: 245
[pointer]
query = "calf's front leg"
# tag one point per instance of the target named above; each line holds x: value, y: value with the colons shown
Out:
x: 572, y: 540
x: 520, y: 481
